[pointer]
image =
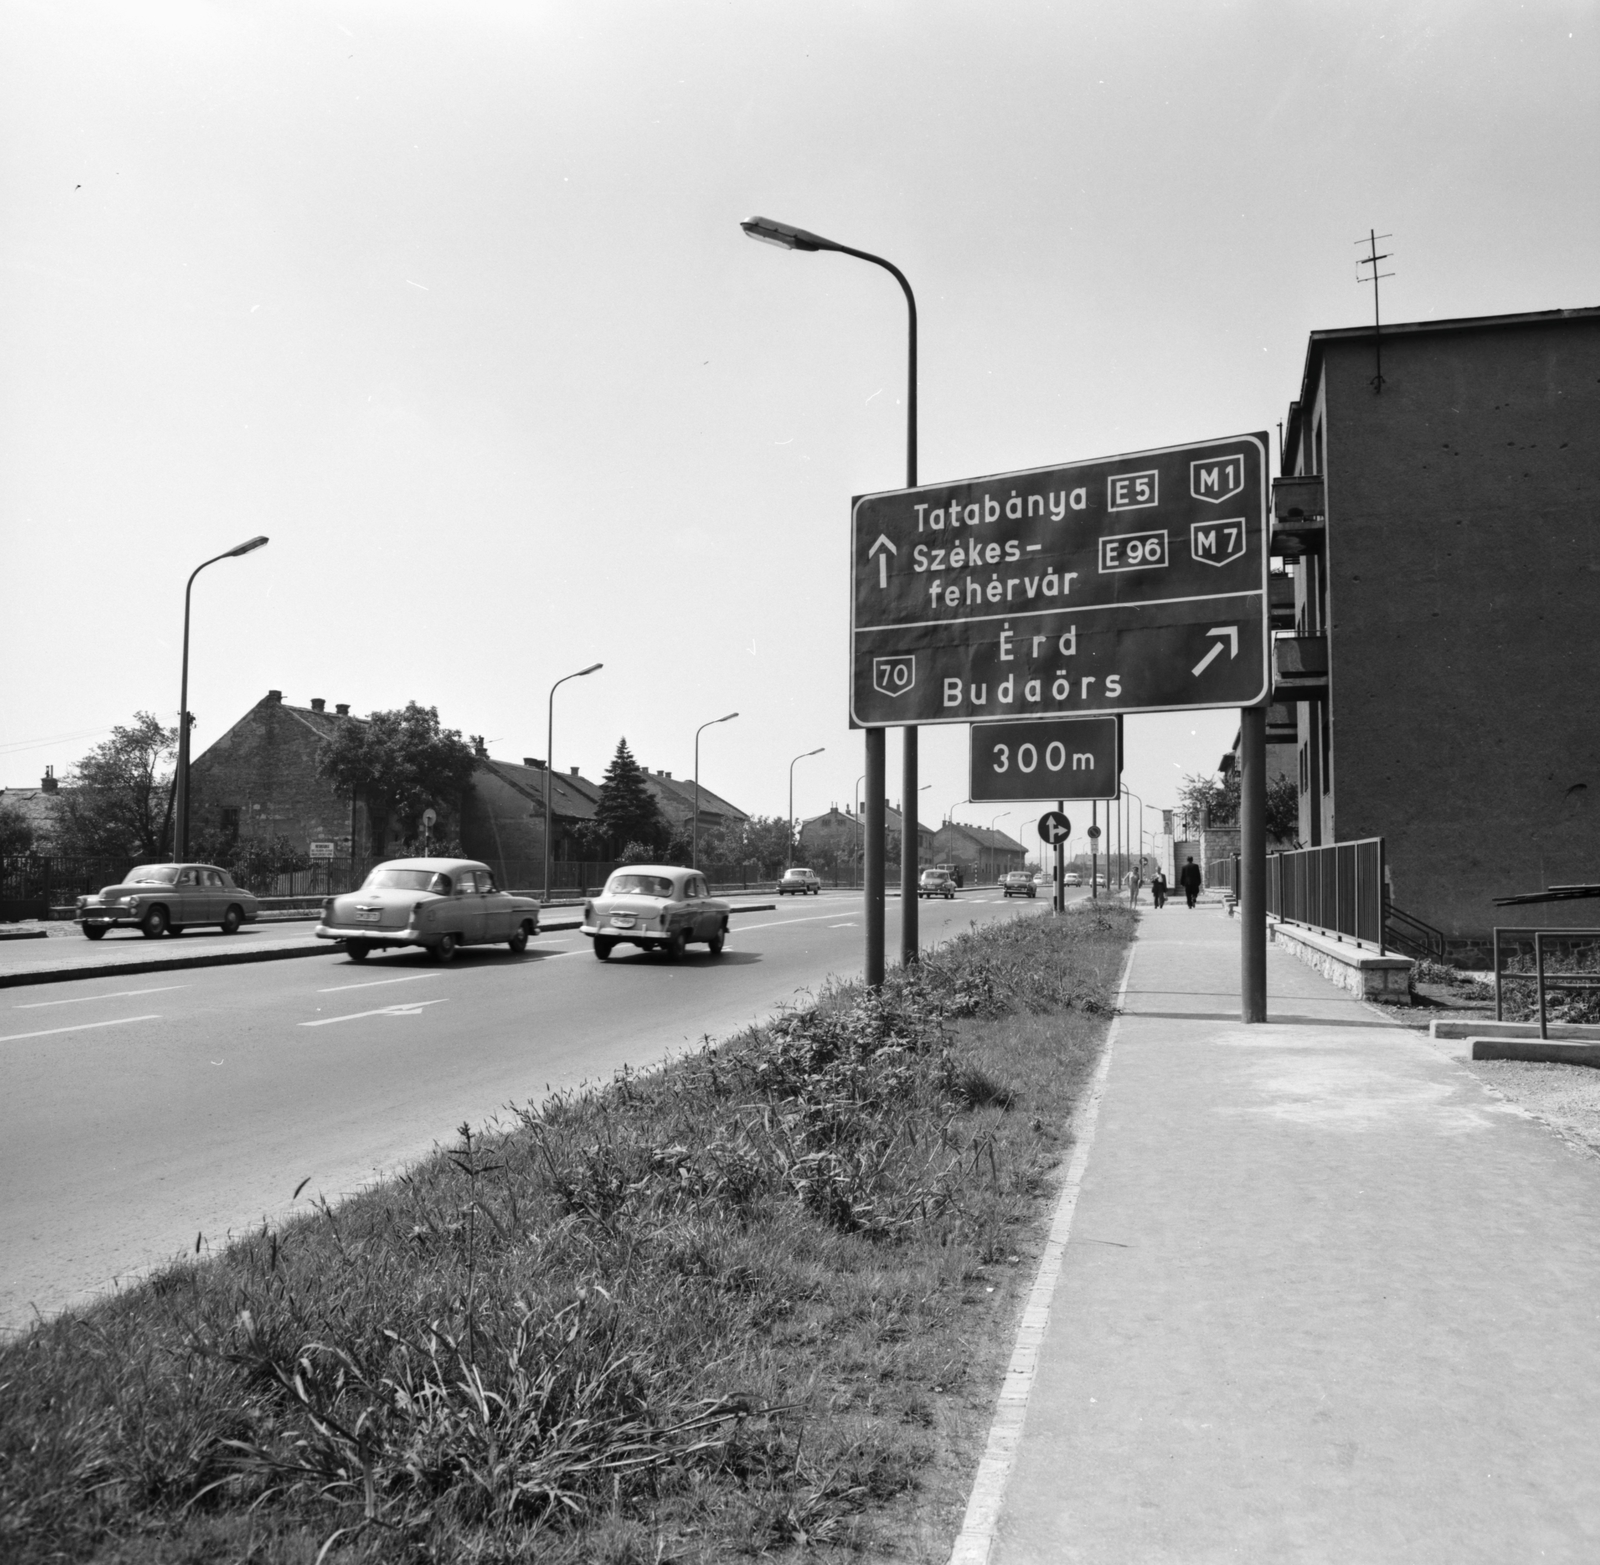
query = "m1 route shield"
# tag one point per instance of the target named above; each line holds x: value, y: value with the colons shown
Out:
x: 1046, y: 758
x: 1134, y: 583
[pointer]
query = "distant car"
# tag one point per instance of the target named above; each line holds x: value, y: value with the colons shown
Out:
x: 1072, y: 878
x: 799, y: 883
x: 438, y: 904
x: 166, y: 899
x: 937, y: 883
x: 1099, y: 880
x: 657, y: 907
x: 1019, y: 883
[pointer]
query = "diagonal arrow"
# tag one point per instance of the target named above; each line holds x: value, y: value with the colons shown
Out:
x: 882, y: 542
x: 1232, y: 633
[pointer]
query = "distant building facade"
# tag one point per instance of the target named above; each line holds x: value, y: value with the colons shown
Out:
x: 1443, y: 531
x: 981, y: 854
x: 835, y: 838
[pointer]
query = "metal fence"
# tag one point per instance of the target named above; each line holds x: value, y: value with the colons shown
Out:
x: 32, y: 883
x: 1336, y: 890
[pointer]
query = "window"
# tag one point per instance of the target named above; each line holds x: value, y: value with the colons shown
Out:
x: 230, y: 822
x: 189, y: 878
x: 214, y: 877
x: 466, y: 883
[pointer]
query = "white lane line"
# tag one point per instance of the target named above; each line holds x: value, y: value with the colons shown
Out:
x: 778, y: 923
x: 49, y: 1032
x: 850, y: 925
x: 975, y: 1541
x: 373, y: 983
x: 413, y: 1008
x: 83, y: 999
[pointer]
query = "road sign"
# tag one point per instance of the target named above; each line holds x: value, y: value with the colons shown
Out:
x: 1135, y: 583
x: 1054, y: 827
x: 320, y: 850
x: 1046, y: 758
x: 1094, y: 834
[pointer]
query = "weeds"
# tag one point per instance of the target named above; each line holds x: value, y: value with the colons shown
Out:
x: 743, y: 1304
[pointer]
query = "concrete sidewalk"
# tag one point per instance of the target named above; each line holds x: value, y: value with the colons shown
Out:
x: 1324, y: 1298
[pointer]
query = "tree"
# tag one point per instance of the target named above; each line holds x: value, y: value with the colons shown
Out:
x: 1283, y: 809
x: 762, y: 840
x: 1217, y: 803
x: 626, y: 814
x: 117, y: 801
x: 402, y: 762
x: 16, y: 833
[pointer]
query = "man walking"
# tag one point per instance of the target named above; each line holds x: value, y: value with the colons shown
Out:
x: 1158, y: 889
x: 1189, y: 879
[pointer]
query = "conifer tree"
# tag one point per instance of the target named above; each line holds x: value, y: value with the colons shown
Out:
x: 627, y: 811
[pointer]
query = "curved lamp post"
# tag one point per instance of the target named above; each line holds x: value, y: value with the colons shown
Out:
x: 787, y: 237
x: 818, y: 751
x: 550, y: 765
x: 180, y: 837
x: 694, y: 830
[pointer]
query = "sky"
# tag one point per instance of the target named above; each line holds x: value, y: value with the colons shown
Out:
x: 451, y: 302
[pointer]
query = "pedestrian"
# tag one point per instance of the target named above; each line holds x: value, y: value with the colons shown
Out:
x: 1158, y: 889
x: 1189, y: 879
x: 1133, y: 889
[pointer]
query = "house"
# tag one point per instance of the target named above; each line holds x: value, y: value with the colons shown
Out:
x: 36, y: 806
x: 676, y: 798
x: 1440, y: 516
x: 981, y: 854
x: 834, y: 838
x: 260, y: 781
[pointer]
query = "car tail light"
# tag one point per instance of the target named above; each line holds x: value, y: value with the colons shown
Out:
x: 588, y: 912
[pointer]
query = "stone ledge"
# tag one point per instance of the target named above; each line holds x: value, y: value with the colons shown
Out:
x: 1361, y: 970
x: 1541, y: 1051
x: 1574, y: 1032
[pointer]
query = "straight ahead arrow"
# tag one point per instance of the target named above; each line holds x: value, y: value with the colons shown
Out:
x: 879, y: 543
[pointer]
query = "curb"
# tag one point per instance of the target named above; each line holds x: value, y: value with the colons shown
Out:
x: 1538, y: 1051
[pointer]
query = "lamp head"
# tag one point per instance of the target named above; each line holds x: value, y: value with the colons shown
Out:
x: 246, y: 546
x: 783, y: 235
x: 728, y: 719
x: 589, y: 670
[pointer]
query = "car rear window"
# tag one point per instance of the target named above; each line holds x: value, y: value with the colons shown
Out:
x: 638, y: 886
x: 386, y: 879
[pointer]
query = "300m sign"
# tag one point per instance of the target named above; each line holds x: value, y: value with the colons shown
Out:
x: 1046, y: 758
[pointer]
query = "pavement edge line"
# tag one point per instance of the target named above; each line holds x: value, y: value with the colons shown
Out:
x: 976, y: 1538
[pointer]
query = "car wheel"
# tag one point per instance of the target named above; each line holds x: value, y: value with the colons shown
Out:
x: 357, y: 950
x: 603, y: 948
x: 718, y: 940
x: 154, y: 923
x: 94, y: 931
x: 519, y: 941
x: 231, y: 920
x: 445, y: 950
x: 676, y: 946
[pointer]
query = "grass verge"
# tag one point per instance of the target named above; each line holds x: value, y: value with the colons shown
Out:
x: 756, y: 1301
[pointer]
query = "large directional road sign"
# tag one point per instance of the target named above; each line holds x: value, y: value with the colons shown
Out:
x: 1046, y: 758
x: 1134, y: 583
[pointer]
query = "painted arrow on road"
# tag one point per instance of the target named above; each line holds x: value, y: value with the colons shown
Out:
x: 1232, y: 633
x: 879, y: 543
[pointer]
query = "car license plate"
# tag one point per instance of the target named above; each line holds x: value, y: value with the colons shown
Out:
x: 622, y: 920
x: 368, y: 915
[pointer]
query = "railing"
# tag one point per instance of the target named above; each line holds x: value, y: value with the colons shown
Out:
x: 1541, y: 977
x: 1335, y: 890
x: 1414, y: 936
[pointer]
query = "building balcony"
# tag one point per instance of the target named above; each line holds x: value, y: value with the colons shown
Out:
x: 1281, y: 725
x: 1299, y: 668
x: 1299, y: 517
x: 1280, y: 600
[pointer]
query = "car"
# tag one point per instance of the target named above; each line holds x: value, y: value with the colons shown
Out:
x: 657, y: 907
x: 1019, y: 883
x: 1072, y: 878
x: 435, y: 903
x: 937, y: 883
x: 166, y: 899
x: 800, y: 882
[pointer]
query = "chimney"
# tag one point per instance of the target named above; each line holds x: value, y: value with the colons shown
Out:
x: 479, y: 748
x: 667, y: 775
x: 534, y: 762
x: 48, y: 782
x: 318, y: 703
x: 342, y: 710
x: 272, y: 698
x: 574, y: 771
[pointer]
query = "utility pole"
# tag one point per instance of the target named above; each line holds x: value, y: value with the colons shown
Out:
x: 1371, y: 259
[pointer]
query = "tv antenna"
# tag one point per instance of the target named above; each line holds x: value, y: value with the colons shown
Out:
x: 1372, y: 258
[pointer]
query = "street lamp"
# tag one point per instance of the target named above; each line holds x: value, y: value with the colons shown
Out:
x: 818, y: 751
x: 694, y: 830
x: 550, y: 764
x: 1139, y: 850
x: 180, y: 838
x: 787, y: 237
x: 994, y: 852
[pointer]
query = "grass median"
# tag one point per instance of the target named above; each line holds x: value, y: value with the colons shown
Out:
x: 755, y: 1301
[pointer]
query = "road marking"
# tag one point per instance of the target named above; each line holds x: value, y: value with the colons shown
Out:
x: 850, y: 925
x: 775, y: 923
x: 414, y: 1008
x: 82, y: 999
x: 373, y: 983
x: 48, y: 1032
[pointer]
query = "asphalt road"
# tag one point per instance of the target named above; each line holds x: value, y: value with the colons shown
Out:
x: 142, y: 1111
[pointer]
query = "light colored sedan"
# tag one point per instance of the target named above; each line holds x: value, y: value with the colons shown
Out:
x: 799, y: 882
x: 166, y: 899
x: 657, y: 907
x: 438, y: 904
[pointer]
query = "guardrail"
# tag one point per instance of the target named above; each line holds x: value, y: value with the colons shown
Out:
x: 1543, y: 979
x: 1337, y: 889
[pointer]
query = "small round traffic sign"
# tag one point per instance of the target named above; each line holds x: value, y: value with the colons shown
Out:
x: 1094, y: 831
x: 1054, y: 827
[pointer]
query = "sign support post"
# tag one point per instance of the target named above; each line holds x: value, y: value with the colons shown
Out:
x: 873, y: 869
x: 1094, y: 852
x: 1061, y: 868
x: 1253, y: 864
